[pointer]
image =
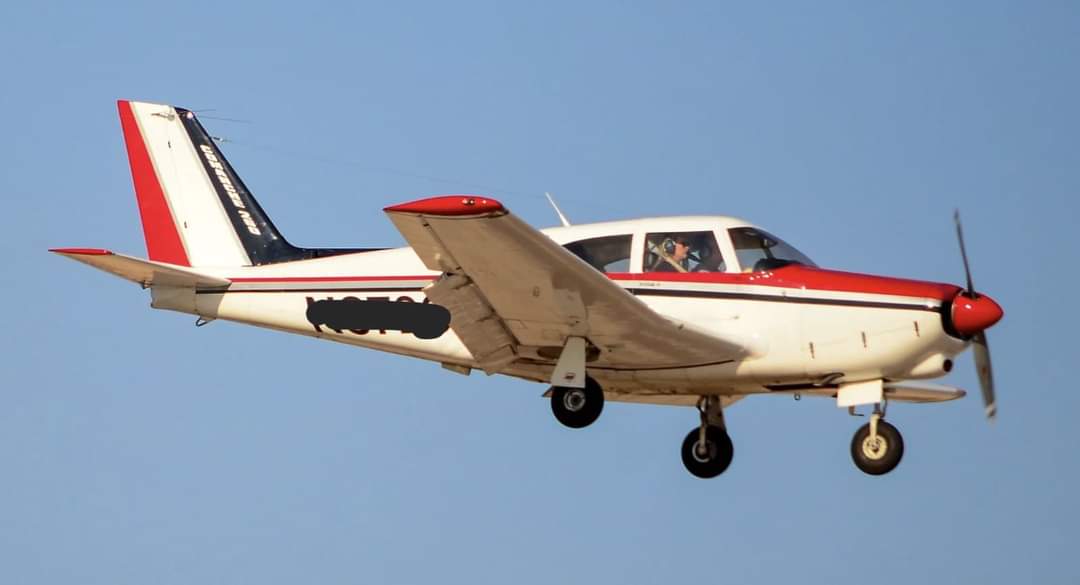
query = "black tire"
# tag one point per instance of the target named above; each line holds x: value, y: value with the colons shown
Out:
x: 880, y: 459
x: 577, y: 408
x: 719, y: 452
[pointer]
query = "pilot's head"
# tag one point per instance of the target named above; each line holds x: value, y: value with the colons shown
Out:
x: 682, y: 248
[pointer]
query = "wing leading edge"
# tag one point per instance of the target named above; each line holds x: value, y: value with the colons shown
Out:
x: 514, y: 293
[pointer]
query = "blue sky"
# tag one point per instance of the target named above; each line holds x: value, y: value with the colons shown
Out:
x: 136, y: 448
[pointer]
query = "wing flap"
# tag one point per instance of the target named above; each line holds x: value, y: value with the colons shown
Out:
x: 475, y: 321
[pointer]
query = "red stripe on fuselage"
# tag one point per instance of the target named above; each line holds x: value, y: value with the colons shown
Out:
x: 808, y: 278
x: 162, y: 240
x: 792, y: 277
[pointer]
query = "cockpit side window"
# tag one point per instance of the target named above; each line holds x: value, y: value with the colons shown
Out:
x: 606, y: 254
x: 682, y: 252
x: 758, y: 250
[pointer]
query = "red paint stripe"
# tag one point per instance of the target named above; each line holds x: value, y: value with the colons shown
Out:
x: 334, y: 278
x: 82, y: 251
x: 807, y: 278
x: 791, y: 277
x: 162, y: 240
x: 449, y: 205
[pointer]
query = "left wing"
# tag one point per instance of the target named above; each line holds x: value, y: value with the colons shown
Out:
x: 513, y: 293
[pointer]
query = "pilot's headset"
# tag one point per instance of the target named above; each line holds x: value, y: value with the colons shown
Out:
x: 668, y: 245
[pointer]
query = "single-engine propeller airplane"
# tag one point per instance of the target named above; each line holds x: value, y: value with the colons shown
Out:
x: 691, y: 311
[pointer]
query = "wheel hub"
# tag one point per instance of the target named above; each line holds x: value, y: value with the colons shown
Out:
x: 574, y: 400
x: 704, y: 452
x: 875, y: 448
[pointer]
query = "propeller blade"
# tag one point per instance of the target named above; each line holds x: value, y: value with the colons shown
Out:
x: 963, y: 254
x: 986, y: 373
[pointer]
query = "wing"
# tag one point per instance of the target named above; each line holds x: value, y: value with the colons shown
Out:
x: 514, y: 294
x: 690, y: 400
x: 903, y: 391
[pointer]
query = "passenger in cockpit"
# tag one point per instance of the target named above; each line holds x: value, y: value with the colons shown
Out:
x: 711, y: 260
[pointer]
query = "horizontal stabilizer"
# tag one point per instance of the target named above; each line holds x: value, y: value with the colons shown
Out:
x: 143, y: 272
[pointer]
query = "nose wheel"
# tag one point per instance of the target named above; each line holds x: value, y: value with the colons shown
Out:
x: 877, y: 446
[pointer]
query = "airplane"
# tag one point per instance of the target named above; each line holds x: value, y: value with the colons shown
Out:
x: 698, y: 311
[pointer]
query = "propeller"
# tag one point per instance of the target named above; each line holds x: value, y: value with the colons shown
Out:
x: 981, y: 348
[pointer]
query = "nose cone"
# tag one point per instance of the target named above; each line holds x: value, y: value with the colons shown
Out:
x: 970, y: 315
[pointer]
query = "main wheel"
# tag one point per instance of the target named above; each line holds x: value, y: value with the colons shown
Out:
x: 710, y: 459
x: 877, y: 456
x: 577, y: 407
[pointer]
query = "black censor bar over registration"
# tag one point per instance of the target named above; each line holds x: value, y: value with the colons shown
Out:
x: 424, y: 320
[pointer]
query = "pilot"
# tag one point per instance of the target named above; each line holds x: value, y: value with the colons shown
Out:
x: 678, y: 259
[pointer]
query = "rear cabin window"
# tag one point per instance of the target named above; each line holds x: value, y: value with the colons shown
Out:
x: 606, y: 254
x: 682, y: 252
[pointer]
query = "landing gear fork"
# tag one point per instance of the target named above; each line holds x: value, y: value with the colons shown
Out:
x: 711, y: 415
x: 877, y: 446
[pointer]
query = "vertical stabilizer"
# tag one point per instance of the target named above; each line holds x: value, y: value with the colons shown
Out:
x: 195, y: 209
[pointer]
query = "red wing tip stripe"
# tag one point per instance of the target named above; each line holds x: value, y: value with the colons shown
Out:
x: 82, y: 251
x: 449, y: 205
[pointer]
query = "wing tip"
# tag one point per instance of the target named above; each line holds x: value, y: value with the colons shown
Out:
x: 450, y: 206
x: 81, y: 251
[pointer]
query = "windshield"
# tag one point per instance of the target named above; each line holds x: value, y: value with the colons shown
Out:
x: 759, y: 250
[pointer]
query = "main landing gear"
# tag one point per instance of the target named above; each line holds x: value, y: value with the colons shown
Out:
x: 707, y: 450
x: 577, y: 408
x: 877, y: 446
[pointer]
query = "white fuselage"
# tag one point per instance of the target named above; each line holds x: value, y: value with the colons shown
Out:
x: 797, y: 334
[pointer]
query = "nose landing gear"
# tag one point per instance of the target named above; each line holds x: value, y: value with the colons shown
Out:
x: 877, y: 446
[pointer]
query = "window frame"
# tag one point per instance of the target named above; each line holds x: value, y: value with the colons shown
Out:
x: 723, y: 246
x: 750, y: 269
x: 629, y: 259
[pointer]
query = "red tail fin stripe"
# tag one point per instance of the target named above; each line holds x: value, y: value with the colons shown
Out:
x: 162, y: 239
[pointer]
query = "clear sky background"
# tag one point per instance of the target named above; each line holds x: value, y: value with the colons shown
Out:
x: 135, y: 448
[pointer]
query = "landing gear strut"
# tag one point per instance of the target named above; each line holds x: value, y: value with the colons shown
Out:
x: 707, y: 450
x: 577, y: 408
x: 877, y: 446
